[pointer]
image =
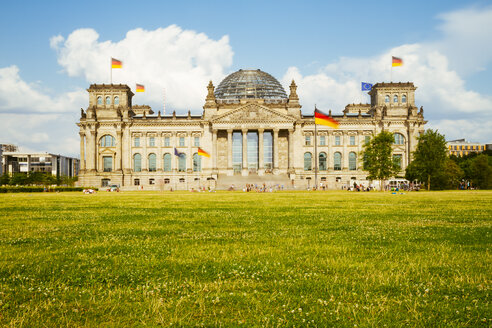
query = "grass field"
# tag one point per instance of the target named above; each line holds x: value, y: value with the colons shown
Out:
x: 303, y: 259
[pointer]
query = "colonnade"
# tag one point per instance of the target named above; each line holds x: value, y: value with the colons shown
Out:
x: 260, y: 150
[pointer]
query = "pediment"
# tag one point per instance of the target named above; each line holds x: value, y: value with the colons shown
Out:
x: 253, y: 113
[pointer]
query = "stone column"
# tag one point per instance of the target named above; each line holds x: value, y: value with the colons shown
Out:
x: 174, y: 158
x: 344, y: 138
x: 190, y: 152
x: 230, y: 171
x: 82, y: 151
x: 145, y: 159
x: 119, y: 150
x: 330, y: 152
x: 214, y: 149
x: 261, y: 152
x: 275, y: 151
x: 291, y: 150
x: 245, y: 152
x: 93, y: 151
x: 127, y: 160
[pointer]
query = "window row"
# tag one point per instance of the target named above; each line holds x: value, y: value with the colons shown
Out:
x: 322, y: 161
x: 167, y: 162
x: 338, y: 140
x: 467, y: 147
x: 116, y: 100
x: 167, y: 141
x: 395, y: 99
x: 109, y: 141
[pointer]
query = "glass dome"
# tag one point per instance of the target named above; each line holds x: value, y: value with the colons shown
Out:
x: 250, y: 84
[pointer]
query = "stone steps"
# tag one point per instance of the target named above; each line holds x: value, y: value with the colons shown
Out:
x: 224, y: 182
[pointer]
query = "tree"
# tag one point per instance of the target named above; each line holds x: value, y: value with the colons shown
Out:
x: 377, y: 158
x: 481, y: 172
x: 430, y: 155
x: 450, y: 176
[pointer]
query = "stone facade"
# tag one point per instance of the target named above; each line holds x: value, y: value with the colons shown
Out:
x: 114, y: 134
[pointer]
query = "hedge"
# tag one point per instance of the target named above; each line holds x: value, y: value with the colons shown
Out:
x: 6, y: 189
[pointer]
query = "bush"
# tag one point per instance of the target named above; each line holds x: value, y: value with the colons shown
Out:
x: 17, y: 189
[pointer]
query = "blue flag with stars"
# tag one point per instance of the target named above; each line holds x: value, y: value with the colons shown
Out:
x: 366, y: 86
x: 176, y: 152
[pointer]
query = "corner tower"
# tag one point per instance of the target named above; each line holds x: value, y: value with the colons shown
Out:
x: 395, y: 98
x: 109, y: 101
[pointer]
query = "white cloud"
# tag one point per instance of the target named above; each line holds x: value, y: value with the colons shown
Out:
x: 56, y: 133
x: 441, y: 90
x: 467, y: 40
x: 18, y: 96
x: 181, y: 61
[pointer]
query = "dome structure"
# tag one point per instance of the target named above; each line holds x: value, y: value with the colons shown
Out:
x: 254, y: 84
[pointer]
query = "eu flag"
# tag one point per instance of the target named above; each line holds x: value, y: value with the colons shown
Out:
x: 176, y: 152
x: 366, y: 86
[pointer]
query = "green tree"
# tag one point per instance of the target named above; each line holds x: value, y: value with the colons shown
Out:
x: 4, y: 179
x: 481, y: 172
x: 430, y: 155
x: 377, y: 158
x: 450, y: 176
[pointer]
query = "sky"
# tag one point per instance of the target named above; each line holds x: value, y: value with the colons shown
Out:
x: 51, y: 51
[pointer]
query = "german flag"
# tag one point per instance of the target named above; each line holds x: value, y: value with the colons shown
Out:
x: 395, y: 61
x: 140, y: 88
x: 115, y: 63
x: 202, y: 152
x: 323, y: 119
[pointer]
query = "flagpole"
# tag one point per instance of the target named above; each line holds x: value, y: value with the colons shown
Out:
x: 110, y: 70
x: 315, y: 151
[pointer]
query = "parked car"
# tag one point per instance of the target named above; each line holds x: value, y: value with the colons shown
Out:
x: 114, y: 188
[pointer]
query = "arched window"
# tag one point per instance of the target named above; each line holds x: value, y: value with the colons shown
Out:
x: 107, y: 141
x: 197, y: 162
x: 152, y: 163
x: 322, y: 161
x: 99, y: 100
x: 337, y: 161
x: 307, y: 162
x: 387, y: 99
x: 404, y: 98
x: 167, y: 162
x: 395, y: 98
x: 399, y: 139
x: 108, y: 100
x: 137, y: 163
x: 116, y: 100
x: 182, y: 162
x: 352, y: 161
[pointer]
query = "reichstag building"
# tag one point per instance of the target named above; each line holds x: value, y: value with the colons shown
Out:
x: 253, y: 130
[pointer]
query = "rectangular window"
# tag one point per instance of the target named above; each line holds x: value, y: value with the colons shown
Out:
x: 367, y: 139
x: 337, y: 141
x: 136, y: 142
x: 167, y: 142
x: 237, y: 151
x: 397, y: 160
x: 181, y: 141
x: 352, y: 140
x: 152, y: 142
x: 136, y: 182
x: 197, y: 141
x: 308, y: 140
x: 268, y: 151
x: 322, y: 141
x: 151, y: 181
x: 108, y: 163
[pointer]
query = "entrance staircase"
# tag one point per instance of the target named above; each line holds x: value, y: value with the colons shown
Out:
x: 224, y: 182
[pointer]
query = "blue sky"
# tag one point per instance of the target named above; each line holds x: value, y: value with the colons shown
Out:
x: 53, y: 50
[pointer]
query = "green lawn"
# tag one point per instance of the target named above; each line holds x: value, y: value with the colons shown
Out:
x: 245, y: 259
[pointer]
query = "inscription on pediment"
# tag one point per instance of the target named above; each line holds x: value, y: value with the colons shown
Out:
x: 252, y: 113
